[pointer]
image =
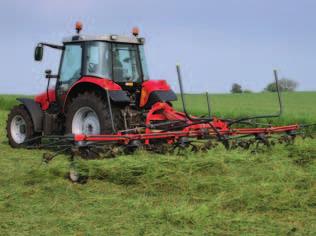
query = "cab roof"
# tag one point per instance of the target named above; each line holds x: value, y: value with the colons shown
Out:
x: 106, y: 38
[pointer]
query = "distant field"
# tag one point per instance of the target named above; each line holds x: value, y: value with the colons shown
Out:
x: 215, y: 193
x: 299, y: 107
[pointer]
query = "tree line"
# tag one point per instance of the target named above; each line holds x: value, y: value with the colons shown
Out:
x: 285, y: 85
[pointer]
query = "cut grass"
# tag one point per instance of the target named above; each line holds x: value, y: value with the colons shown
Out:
x: 216, y: 193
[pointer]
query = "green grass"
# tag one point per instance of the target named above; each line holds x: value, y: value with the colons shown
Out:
x: 7, y: 101
x: 216, y: 193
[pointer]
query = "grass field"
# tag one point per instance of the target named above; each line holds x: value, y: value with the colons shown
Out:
x: 215, y: 193
x: 298, y: 107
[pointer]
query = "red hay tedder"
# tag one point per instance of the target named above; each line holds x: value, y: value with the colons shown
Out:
x: 103, y: 99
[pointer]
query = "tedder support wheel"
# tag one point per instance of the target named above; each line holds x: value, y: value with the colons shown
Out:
x: 88, y: 113
x: 19, y: 127
x: 78, y: 174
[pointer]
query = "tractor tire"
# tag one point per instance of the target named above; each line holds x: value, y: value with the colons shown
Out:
x: 20, y: 127
x: 88, y: 113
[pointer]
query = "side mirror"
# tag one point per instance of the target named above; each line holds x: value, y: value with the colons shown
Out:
x: 38, y: 54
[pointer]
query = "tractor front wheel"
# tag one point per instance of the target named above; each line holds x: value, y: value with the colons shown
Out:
x: 19, y: 127
x: 88, y: 113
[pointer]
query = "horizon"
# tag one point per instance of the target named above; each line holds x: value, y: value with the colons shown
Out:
x: 189, y: 93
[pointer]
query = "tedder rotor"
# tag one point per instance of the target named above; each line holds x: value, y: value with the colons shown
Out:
x: 103, y: 100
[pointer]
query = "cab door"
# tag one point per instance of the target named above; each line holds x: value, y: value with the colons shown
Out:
x: 70, y: 70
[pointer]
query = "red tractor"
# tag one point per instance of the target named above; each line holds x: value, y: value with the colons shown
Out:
x: 103, y: 95
x: 93, y: 72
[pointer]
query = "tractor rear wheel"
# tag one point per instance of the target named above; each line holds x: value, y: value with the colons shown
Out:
x: 19, y: 127
x: 88, y: 113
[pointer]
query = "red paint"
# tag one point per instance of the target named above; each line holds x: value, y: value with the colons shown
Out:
x: 106, y: 84
x: 103, y: 83
x: 218, y: 124
x: 173, y: 136
x: 150, y: 86
x: 161, y: 111
x: 43, y: 100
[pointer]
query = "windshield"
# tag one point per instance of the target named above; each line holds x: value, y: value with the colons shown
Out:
x: 126, y: 64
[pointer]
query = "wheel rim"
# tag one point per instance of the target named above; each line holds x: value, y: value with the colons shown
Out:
x: 85, y: 121
x: 18, y: 129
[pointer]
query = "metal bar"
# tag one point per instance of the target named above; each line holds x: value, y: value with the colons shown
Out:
x: 278, y: 114
x: 191, y: 133
x: 47, y: 90
x: 186, y: 125
x: 183, y: 101
x: 276, y: 78
x: 208, y: 105
x: 110, y: 110
x: 59, y: 47
x: 219, y: 136
x: 181, y: 89
x: 308, y: 125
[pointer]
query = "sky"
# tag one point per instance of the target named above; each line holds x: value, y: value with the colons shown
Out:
x: 216, y: 42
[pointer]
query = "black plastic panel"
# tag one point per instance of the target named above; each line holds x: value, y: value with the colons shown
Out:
x: 35, y: 111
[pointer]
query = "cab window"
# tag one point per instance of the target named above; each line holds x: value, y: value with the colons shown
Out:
x: 71, y: 65
x: 143, y: 62
x: 98, y: 60
x: 126, y: 64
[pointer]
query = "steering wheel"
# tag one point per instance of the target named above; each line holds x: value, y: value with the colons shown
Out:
x: 92, y: 67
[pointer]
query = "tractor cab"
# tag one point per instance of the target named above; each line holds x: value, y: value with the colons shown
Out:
x: 115, y: 58
x: 119, y: 59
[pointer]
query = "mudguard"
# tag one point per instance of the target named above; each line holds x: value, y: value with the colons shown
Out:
x: 118, y: 96
x: 154, y: 91
x: 35, y: 111
x: 160, y: 96
x: 104, y: 85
